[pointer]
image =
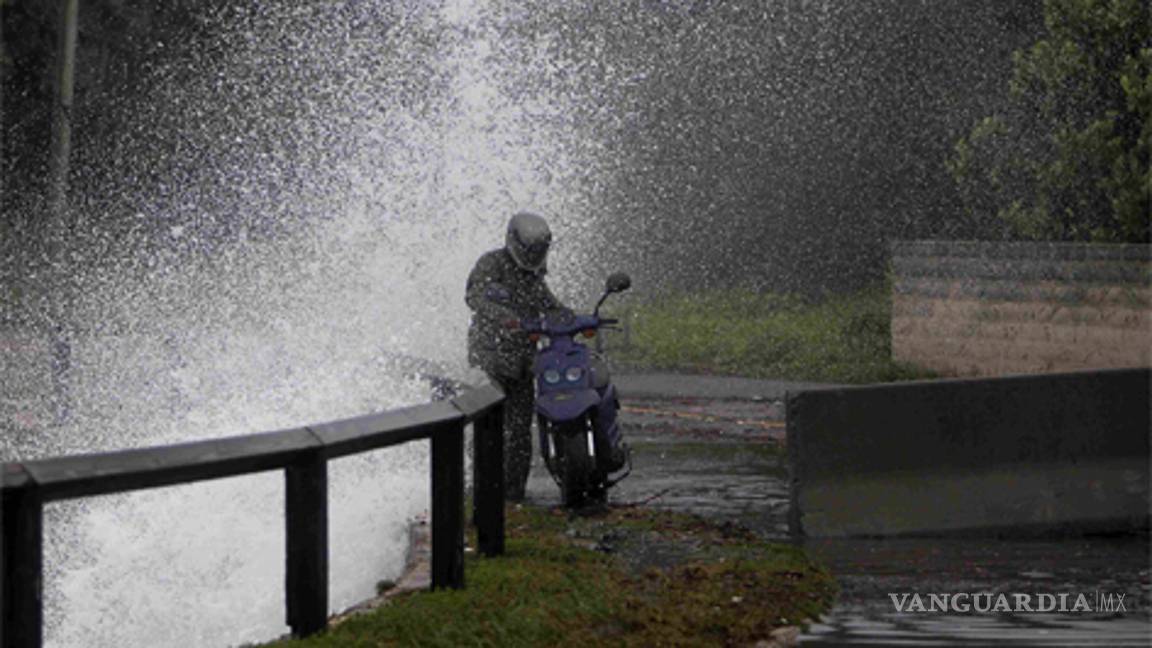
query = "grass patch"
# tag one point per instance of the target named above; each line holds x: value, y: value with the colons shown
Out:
x: 840, y: 338
x: 588, y: 581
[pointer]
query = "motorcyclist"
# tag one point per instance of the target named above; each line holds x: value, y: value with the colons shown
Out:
x: 506, y: 286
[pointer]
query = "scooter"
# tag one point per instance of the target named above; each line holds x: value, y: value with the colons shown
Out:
x: 577, y: 404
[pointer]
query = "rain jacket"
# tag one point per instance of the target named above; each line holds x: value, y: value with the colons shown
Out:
x: 493, y: 347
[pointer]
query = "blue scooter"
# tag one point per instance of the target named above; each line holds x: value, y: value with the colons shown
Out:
x: 577, y: 404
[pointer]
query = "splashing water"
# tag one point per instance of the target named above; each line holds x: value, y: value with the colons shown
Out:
x: 294, y: 211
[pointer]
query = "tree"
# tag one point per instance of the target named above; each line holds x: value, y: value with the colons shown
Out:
x: 1069, y: 159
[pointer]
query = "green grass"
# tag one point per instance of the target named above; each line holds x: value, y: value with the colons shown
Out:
x: 841, y: 338
x: 553, y: 589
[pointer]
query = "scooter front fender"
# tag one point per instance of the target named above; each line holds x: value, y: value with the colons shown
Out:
x: 561, y: 406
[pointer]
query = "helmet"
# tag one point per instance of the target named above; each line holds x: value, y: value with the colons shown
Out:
x: 528, y: 240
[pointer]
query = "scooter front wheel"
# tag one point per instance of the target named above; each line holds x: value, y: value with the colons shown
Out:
x: 577, y: 463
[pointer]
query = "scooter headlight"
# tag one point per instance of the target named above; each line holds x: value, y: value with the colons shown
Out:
x: 551, y: 376
x: 543, y: 342
x: 574, y: 373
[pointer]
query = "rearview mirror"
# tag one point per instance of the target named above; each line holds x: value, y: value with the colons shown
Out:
x: 618, y: 282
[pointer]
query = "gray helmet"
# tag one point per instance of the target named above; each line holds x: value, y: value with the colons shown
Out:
x: 528, y: 240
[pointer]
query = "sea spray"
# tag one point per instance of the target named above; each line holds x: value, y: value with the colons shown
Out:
x: 286, y: 221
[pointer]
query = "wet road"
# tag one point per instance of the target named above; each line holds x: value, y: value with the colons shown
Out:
x: 724, y: 459
x: 869, y: 571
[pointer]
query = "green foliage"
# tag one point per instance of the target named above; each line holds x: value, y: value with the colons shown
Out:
x: 1070, y: 159
x: 842, y: 339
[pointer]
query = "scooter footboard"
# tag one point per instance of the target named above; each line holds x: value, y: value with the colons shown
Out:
x: 606, y: 415
x: 613, y: 435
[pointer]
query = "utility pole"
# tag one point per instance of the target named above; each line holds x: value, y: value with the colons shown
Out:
x: 57, y: 229
x: 62, y: 117
x: 3, y: 131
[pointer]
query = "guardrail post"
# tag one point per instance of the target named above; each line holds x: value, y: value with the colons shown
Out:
x: 22, y: 622
x: 306, y: 518
x: 448, y: 507
x: 488, y: 480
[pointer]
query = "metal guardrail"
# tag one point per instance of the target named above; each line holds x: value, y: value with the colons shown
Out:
x: 303, y: 454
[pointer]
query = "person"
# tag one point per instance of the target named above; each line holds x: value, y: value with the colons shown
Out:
x: 506, y: 286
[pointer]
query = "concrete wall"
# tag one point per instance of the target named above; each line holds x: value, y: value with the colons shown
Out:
x: 990, y: 309
x: 1026, y: 453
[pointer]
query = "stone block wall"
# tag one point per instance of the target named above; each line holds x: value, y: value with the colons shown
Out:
x: 991, y: 309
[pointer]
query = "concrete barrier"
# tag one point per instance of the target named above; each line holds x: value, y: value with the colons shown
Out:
x: 1021, y: 454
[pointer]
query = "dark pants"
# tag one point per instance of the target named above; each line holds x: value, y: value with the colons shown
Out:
x: 519, y: 406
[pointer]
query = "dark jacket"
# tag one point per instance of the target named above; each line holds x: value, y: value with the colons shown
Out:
x: 491, y: 346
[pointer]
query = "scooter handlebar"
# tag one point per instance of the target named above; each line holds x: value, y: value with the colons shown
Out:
x: 547, y: 326
x: 530, y: 325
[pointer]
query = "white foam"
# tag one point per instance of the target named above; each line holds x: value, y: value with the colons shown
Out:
x: 276, y: 283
